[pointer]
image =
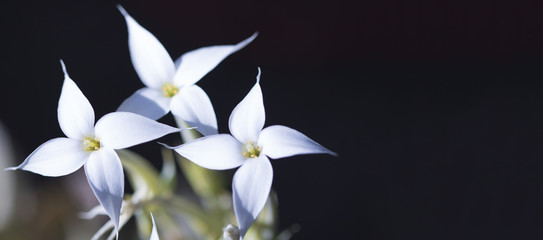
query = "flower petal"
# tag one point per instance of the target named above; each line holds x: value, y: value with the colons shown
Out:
x: 217, y: 152
x: 154, y: 232
x: 75, y: 113
x: 193, y: 106
x: 194, y: 65
x: 147, y: 102
x: 56, y: 157
x: 150, y: 59
x: 250, y: 189
x: 247, y: 118
x: 106, y: 178
x: 279, y: 141
x: 120, y: 130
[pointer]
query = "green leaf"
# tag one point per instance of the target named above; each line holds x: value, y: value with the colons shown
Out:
x: 168, y: 174
x: 143, y: 177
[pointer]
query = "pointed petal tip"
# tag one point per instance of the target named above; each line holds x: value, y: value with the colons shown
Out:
x: 119, y: 130
x: 247, y: 119
x: 121, y: 9
x: 281, y: 141
x: 258, y: 75
x: 187, y: 128
x: 168, y: 146
x: 11, y: 168
x: 252, y: 37
x: 329, y: 152
x: 246, y: 42
x: 62, y: 64
x: 63, y: 67
x: 332, y: 153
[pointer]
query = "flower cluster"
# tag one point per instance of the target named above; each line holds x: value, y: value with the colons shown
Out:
x: 169, y: 87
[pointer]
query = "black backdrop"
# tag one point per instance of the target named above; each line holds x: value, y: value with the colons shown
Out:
x: 433, y: 108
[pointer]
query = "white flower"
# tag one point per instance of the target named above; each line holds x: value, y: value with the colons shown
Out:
x: 249, y: 146
x: 169, y: 85
x: 92, y: 146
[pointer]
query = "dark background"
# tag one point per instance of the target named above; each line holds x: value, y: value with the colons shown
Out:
x: 434, y: 108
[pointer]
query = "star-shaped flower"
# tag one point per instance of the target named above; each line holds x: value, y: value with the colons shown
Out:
x: 249, y: 146
x: 92, y: 146
x: 169, y: 85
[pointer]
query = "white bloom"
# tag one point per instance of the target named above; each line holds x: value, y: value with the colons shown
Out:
x: 249, y: 146
x: 92, y: 146
x: 169, y: 85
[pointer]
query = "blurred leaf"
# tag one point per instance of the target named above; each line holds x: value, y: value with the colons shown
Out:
x: 142, y: 175
x: 198, y: 219
x: 143, y: 222
x: 168, y: 175
x: 265, y: 225
x: 7, y: 181
x: 207, y: 184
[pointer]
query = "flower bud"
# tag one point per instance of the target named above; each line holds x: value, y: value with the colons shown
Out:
x: 231, y: 232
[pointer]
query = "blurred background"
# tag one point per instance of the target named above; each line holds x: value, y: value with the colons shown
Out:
x: 435, y: 109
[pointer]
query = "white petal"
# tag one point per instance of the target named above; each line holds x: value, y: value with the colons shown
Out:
x: 217, y: 152
x: 123, y: 129
x: 247, y: 119
x: 193, y: 106
x: 147, y: 102
x: 279, y: 141
x: 75, y: 113
x: 56, y: 157
x: 194, y: 65
x: 250, y: 189
x: 150, y: 59
x: 106, y: 178
x: 154, y: 232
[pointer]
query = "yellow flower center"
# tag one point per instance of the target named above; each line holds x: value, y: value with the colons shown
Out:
x: 169, y: 90
x: 251, y: 150
x: 91, y: 144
